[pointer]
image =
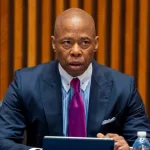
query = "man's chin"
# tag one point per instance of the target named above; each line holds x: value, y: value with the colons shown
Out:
x: 75, y: 73
x: 75, y: 70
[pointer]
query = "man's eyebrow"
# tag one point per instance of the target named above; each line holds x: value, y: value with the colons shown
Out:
x: 66, y: 38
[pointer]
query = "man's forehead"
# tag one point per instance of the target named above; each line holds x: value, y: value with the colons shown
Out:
x: 75, y: 31
x: 74, y: 24
x: 71, y: 30
x: 75, y: 36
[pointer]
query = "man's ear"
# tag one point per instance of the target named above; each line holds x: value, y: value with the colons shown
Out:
x: 96, y: 43
x: 53, y: 43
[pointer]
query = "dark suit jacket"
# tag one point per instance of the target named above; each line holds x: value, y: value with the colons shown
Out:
x: 34, y: 102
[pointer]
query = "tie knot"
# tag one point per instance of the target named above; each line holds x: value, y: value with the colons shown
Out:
x: 75, y: 83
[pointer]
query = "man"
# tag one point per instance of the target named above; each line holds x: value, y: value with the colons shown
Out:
x: 73, y: 95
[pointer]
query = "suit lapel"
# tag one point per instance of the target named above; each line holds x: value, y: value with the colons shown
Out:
x: 101, y: 86
x: 52, y: 99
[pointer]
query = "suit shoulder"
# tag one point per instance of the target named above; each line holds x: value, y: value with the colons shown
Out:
x: 36, y: 70
x: 120, y: 75
x: 115, y: 75
x: 29, y: 78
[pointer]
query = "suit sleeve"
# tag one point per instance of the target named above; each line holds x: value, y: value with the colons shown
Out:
x: 136, y: 118
x: 12, y: 120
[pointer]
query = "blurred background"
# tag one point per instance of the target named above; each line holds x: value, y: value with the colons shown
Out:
x: 123, y: 27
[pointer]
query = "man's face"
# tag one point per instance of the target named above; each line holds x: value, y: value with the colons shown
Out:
x: 75, y: 44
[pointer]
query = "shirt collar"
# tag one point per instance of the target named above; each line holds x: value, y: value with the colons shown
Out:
x: 84, y: 78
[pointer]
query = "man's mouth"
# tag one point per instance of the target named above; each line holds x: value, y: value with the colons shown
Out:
x: 75, y: 64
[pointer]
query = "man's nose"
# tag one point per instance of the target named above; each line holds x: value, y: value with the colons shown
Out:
x: 76, y: 51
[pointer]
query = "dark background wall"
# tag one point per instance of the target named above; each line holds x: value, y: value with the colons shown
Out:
x: 123, y: 27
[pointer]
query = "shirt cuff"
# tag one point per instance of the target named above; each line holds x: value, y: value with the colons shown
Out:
x: 35, y: 149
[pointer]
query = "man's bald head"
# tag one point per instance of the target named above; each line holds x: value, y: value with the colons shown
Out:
x: 74, y: 15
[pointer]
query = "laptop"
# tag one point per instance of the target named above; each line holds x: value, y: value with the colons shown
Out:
x: 77, y: 143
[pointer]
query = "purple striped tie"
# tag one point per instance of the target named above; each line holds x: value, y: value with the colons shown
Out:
x: 76, y: 116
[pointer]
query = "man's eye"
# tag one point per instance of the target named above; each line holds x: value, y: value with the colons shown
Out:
x: 66, y: 44
x: 85, y: 44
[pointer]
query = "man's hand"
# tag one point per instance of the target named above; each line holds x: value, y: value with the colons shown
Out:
x: 120, y: 143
